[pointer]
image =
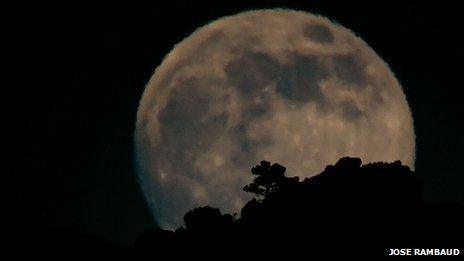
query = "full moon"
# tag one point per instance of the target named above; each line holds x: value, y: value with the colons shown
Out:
x: 278, y: 85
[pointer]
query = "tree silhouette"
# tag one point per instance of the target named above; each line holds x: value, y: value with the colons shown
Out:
x: 269, y: 179
x: 207, y: 219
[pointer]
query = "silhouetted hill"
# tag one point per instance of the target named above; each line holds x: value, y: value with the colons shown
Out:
x: 348, y: 209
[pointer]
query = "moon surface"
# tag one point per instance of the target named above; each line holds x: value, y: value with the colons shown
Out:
x: 281, y: 85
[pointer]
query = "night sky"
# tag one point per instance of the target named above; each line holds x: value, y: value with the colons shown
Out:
x: 75, y: 74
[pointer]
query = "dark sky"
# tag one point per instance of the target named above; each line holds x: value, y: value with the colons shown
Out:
x: 75, y: 74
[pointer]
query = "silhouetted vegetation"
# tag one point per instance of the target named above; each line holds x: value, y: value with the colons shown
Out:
x: 347, y: 209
